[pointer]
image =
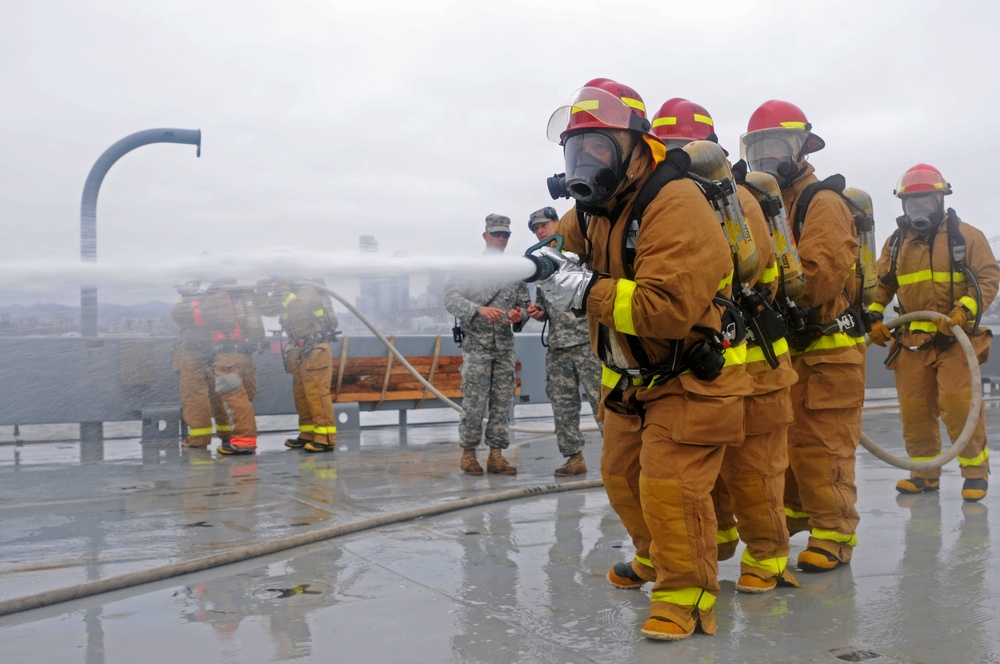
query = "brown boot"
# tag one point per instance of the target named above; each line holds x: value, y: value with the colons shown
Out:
x: 469, y: 464
x: 497, y: 464
x: 575, y: 465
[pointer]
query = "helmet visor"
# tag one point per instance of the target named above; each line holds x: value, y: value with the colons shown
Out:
x: 593, y: 108
x: 921, y: 181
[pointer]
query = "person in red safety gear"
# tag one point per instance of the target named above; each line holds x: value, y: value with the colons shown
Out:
x: 235, y: 379
x: 919, y: 268
x: 749, y: 493
x: 651, y: 301
x: 192, y: 362
x: 820, y: 491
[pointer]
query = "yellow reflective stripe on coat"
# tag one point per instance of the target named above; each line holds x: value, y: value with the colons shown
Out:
x: 792, y: 514
x: 318, y: 313
x: 773, y: 565
x: 645, y: 561
x: 609, y: 377
x: 623, y: 306
x: 770, y: 274
x: 727, y: 536
x: 922, y: 326
x: 699, y: 597
x: 827, y: 341
x: 834, y: 536
x: 200, y: 431
x: 223, y: 428
x: 288, y: 299
x: 928, y: 275
x: 756, y: 353
x: 877, y: 308
x: 969, y: 303
x: 725, y: 282
x: 977, y: 460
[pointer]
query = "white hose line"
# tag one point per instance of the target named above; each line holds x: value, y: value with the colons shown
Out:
x: 248, y: 551
x: 416, y: 374
x: 976, y: 387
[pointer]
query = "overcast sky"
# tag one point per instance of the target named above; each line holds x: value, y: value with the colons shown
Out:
x: 410, y: 121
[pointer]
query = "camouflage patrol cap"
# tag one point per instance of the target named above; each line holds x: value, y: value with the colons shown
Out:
x: 497, y: 222
x: 542, y: 216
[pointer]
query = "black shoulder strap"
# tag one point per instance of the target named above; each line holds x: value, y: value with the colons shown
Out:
x: 673, y: 167
x: 955, y: 241
x: 835, y: 183
x: 583, y: 221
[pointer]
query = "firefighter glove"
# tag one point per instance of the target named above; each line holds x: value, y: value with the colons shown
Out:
x: 880, y: 334
x: 566, y: 289
x: 958, y: 316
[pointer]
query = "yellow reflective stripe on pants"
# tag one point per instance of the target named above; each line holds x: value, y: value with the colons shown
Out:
x: 927, y: 275
x: 623, y: 306
x: 834, y: 536
x: 976, y: 460
x: 828, y: 341
x: 792, y: 514
x: 645, y: 561
x: 325, y: 431
x: 306, y: 428
x: 200, y: 431
x: 969, y: 303
x: 756, y: 353
x: 773, y: 565
x: 685, y: 597
x: 223, y: 428
x: 727, y: 536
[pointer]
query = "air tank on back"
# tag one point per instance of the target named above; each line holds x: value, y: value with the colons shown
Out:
x: 767, y: 192
x: 864, y: 226
x: 709, y: 162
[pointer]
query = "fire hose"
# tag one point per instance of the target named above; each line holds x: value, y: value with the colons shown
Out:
x: 976, y: 388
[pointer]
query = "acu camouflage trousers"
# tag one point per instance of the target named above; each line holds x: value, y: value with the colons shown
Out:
x: 566, y: 369
x: 487, y: 379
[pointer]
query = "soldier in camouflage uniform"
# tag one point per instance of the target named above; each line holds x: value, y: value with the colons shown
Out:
x: 569, y: 363
x: 486, y: 311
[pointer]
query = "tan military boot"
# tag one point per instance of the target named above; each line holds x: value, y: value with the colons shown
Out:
x: 575, y: 465
x: 497, y: 464
x: 469, y: 464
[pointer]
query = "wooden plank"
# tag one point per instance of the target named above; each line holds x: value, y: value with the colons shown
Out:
x: 434, y: 365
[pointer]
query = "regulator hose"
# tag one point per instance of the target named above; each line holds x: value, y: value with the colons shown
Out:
x: 976, y: 387
x: 248, y: 551
x: 409, y: 367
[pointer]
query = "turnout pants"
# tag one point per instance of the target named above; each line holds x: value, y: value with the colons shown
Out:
x: 820, y: 491
x: 934, y: 383
x: 199, y: 401
x: 239, y: 401
x: 311, y: 368
x: 661, y: 488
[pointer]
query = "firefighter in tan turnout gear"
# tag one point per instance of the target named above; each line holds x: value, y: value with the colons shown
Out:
x: 749, y: 493
x: 654, y: 273
x: 828, y: 348
x: 192, y: 362
x: 307, y: 317
x: 936, y: 262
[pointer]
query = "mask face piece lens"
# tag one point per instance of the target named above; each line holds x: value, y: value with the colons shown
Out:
x: 922, y: 212
x: 593, y: 166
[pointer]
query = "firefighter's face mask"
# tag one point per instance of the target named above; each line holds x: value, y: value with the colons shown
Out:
x: 594, y: 165
x: 773, y: 151
x: 923, y: 213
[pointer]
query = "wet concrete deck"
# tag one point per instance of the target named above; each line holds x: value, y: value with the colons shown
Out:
x: 517, y: 581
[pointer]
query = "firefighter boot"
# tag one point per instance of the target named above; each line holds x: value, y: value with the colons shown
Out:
x: 497, y: 464
x: 227, y: 447
x: 974, y: 490
x: 918, y: 484
x: 575, y: 465
x: 296, y: 443
x: 661, y: 629
x: 469, y: 464
x: 623, y: 576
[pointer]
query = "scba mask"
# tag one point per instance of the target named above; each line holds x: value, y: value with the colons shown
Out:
x: 594, y: 166
x: 923, y: 213
x: 774, y: 151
